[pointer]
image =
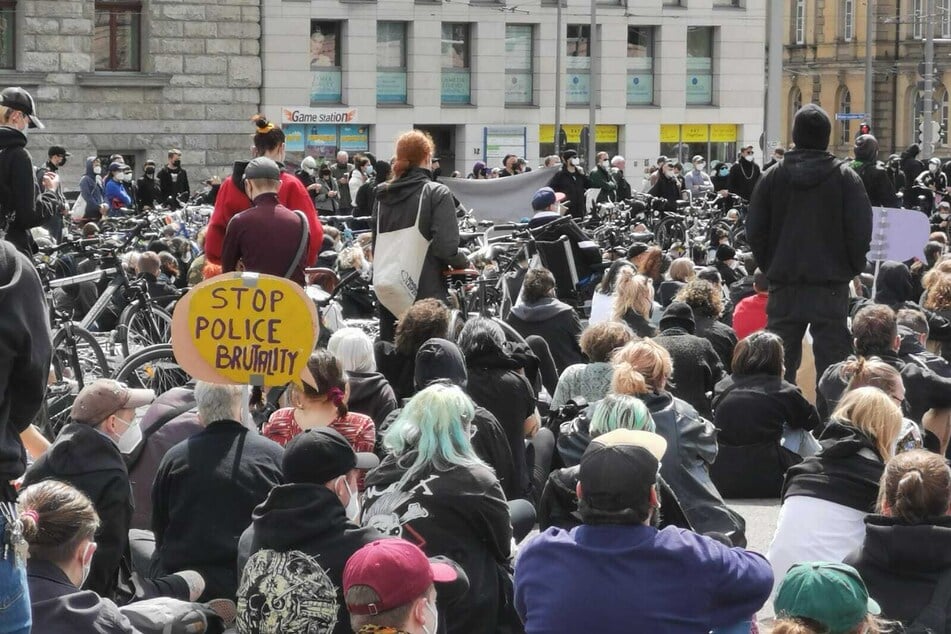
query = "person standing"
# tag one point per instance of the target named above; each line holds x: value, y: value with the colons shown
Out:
x: 25, y: 201
x: 341, y: 172
x: 90, y: 188
x: 173, y: 180
x: 307, y: 175
x: 617, y: 173
x: 667, y: 186
x: 895, y: 174
x: 600, y: 178
x: 696, y: 180
x: 809, y: 225
x: 57, y: 158
x: 778, y: 154
x: 878, y: 186
x: 571, y: 182
x: 744, y: 174
x: 148, y: 187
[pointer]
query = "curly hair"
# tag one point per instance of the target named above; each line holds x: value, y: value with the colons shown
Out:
x: 424, y: 320
x: 650, y: 263
x: 598, y: 342
x: 937, y: 290
x: 703, y: 297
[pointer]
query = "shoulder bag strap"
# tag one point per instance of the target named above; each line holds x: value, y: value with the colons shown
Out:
x: 934, y: 615
x: 419, y: 210
x: 302, y: 247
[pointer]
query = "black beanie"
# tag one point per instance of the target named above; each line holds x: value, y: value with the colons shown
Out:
x: 866, y: 148
x: 811, y: 128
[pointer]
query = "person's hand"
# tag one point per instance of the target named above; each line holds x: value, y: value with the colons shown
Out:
x: 50, y: 180
x: 215, y: 180
x: 314, y: 187
x: 723, y: 193
x: 103, y: 208
x: 343, y: 179
x: 331, y: 194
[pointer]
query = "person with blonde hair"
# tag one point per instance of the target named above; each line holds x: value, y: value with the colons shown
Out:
x: 827, y: 496
x: 642, y: 369
x: 681, y: 271
x: 634, y: 302
x: 591, y: 381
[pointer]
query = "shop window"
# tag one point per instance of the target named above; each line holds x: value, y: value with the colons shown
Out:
x: 640, y: 65
x: 117, y: 37
x: 700, y: 65
x: 391, y: 58
x: 715, y: 142
x: 575, y: 137
x: 519, y: 64
x: 578, y: 52
x: 326, y: 62
x: 456, y: 56
x: 324, y: 141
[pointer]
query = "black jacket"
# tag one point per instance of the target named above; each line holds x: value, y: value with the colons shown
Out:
x: 20, y: 195
x: 901, y: 564
x: 668, y: 290
x: 744, y: 175
x: 730, y: 275
x: 555, y: 322
x: 878, y: 185
x: 697, y: 368
x: 371, y: 394
x: 460, y: 513
x: 911, y: 167
x: 91, y: 462
x: 573, y: 185
x: 641, y: 327
x: 846, y: 471
x: 398, y: 204
x: 720, y: 335
x: 202, y: 499
x: 173, y: 183
x: 310, y: 519
x: 26, y: 349
x: 667, y: 188
x: 59, y: 606
x: 809, y: 221
x: 149, y: 191
x: 398, y: 368
x: 896, y: 288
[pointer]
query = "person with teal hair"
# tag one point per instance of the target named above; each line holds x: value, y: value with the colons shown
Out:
x: 433, y: 490
x: 620, y: 411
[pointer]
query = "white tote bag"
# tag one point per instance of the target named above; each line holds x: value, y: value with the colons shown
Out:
x: 79, y: 208
x: 398, y: 262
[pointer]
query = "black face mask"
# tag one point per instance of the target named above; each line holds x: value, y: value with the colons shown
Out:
x: 149, y: 170
x: 177, y: 163
x: 63, y: 162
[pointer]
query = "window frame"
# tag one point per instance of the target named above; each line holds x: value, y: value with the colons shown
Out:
x: 651, y: 30
x: 582, y: 33
x: 114, y: 7
x: 404, y: 60
x: 466, y: 58
x: 11, y: 7
x: 843, y: 103
x: 799, y: 22
x: 848, y: 20
x: 712, y: 71
x: 532, y: 31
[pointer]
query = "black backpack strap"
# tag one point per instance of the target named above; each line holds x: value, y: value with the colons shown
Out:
x: 935, y: 614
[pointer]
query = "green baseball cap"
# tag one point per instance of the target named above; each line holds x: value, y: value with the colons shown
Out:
x: 830, y: 593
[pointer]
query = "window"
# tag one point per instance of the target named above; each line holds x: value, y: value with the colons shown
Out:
x: 795, y: 103
x: 699, y: 65
x: 848, y: 20
x: 326, y: 62
x: 727, y: 3
x: 943, y: 7
x: 519, y: 55
x: 456, y: 79
x: 918, y: 21
x: 117, y: 36
x: 640, y: 65
x: 844, y: 103
x: 942, y: 108
x: 672, y: 3
x: 391, y: 62
x: 578, y: 84
x: 799, y: 12
x: 8, y: 9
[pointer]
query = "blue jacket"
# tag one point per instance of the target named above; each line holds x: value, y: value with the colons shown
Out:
x: 116, y: 195
x: 91, y: 191
x: 624, y: 578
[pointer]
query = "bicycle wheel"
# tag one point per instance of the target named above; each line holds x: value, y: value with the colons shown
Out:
x: 141, y: 326
x: 153, y: 368
x: 668, y: 232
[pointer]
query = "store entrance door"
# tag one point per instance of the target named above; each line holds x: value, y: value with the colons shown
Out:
x: 444, y: 137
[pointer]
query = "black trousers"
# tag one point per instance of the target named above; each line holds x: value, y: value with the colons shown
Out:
x: 824, y: 309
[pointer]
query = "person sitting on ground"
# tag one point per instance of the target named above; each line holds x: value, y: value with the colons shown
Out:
x: 749, y: 316
x: 680, y: 272
x: 697, y: 368
x: 761, y: 421
x: 370, y: 392
x: 537, y: 312
x: 207, y: 487
x: 825, y: 598
x: 567, y: 580
x: 895, y: 288
x: 396, y: 361
x: 905, y: 554
x: 634, y: 303
x: 873, y: 372
x: 433, y: 490
x: 307, y: 529
x: 591, y: 381
x: 604, y: 298
x: 827, y: 496
x: 730, y: 269
x: 706, y: 300
x: 913, y: 330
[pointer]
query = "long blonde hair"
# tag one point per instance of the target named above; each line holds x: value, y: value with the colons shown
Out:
x: 937, y: 290
x: 640, y: 367
x: 873, y: 412
x: 634, y: 292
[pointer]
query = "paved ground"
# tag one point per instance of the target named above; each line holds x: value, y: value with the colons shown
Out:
x: 760, y: 516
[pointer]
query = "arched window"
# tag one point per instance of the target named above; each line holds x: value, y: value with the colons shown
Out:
x: 844, y: 103
x: 941, y: 113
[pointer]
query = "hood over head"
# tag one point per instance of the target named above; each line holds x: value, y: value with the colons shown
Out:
x: 894, y: 284
x: 866, y: 148
x: 545, y: 308
x: 89, y: 166
x: 811, y: 128
x: 440, y: 359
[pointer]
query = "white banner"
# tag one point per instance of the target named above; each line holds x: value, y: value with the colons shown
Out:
x: 500, y: 199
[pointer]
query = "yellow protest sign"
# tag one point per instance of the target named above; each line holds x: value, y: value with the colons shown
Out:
x: 245, y: 328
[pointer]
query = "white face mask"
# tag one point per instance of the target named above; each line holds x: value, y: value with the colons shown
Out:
x: 576, y: 162
x: 309, y: 170
x: 699, y: 166
x: 933, y: 168
x: 353, y: 506
x: 431, y: 606
x: 87, y: 567
x: 606, y: 165
x: 747, y: 157
x: 97, y: 171
x: 369, y: 170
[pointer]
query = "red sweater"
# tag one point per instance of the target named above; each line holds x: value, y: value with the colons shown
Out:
x: 749, y: 316
x: 231, y: 201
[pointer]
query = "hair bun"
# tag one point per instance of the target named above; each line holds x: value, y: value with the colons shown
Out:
x: 262, y: 124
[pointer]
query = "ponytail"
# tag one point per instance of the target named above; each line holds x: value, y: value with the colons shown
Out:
x: 627, y: 380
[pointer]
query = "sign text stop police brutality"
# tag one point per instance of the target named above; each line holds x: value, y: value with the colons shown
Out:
x: 249, y: 344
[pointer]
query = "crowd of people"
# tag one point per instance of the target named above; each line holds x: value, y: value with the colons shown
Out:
x: 399, y: 486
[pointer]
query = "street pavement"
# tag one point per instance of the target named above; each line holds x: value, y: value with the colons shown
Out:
x: 760, y: 516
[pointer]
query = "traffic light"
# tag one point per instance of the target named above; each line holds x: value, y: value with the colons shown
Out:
x: 865, y: 128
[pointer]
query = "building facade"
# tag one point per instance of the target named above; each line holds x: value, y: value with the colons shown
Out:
x: 676, y: 77
x: 137, y: 77
x: 824, y: 63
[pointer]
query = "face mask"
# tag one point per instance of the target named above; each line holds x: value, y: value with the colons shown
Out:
x: 933, y: 168
x: 606, y: 165
x: 127, y: 177
x: 309, y: 171
x: 87, y: 567
x: 431, y: 606
x: 724, y: 171
x: 149, y: 170
x: 353, y: 506
x: 748, y: 157
x: 699, y: 166
x: 97, y: 171
x: 63, y: 162
x: 177, y: 163
x: 369, y: 170
x: 576, y: 162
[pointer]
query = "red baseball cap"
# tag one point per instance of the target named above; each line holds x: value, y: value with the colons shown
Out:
x: 396, y: 570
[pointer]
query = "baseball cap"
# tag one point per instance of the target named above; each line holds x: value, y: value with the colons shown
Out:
x: 57, y: 150
x: 831, y: 593
x: 264, y: 168
x: 396, y: 570
x: 546, y: 197
x: 116, y: 166
x: 617, y: 469
x: 321, y: 454
x: 696, y: 158
x: 104, y: 397
x: 19, y: 99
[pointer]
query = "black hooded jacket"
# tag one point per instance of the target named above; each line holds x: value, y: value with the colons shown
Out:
x: 911, y: 166
x: 308, y: 518
x: 573, y: 185
x: 809, y: 221
x: 92, y: 462
x: 901, y: 564
x: 878, y: 185
x: 20, y: 195
x: 26, y: 349
x: 895, y: 288
x: 371, y: 394
x: 554, y: 321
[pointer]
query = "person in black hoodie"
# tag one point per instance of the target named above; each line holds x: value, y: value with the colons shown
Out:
x: 301, y: 537
x: 397, y: 361
x: 895, y: 288
x: 433, y: 491
x: 809, y: 225
x: 370, y: 392
x: 697, y: 367
x: 148, y: 187
x: 86, y: 455
x: 26, y: 201
x: 745, y: 174
x: 911, y: 167
x: 878, y: 186
x: 907, y: 547
x: 573, y: 183
x: 537, y: 312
